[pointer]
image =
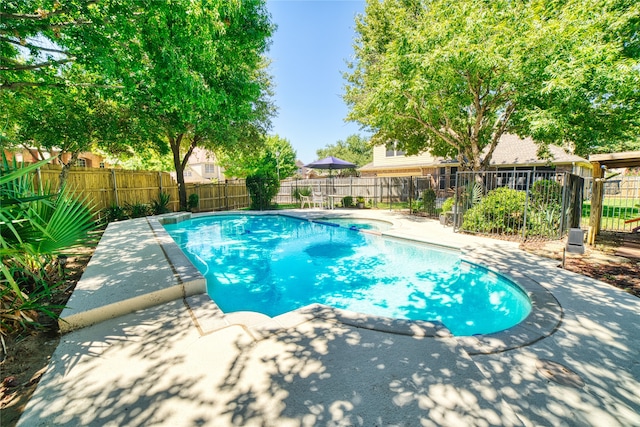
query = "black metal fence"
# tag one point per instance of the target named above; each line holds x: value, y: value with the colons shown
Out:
x: 395, y: 193
x: 518, y: 204
x: 510, y: 204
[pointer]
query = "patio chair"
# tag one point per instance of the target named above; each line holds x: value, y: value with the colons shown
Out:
x: 305, y: 200
x: 317, y: 199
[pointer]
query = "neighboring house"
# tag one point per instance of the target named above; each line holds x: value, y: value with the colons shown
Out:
x: 511, y: 154
x: 202, y: 168
x: 301, y: 171
x: 32, y: 155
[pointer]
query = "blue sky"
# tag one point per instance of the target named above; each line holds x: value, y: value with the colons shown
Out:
x: 309, y: 53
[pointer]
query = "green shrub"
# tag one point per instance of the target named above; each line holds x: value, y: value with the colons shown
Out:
x: 161, y: 205
x: 447, y: 205
x: 501, y: 211
x: 302, y: 191
x: 193, y: 201
x: 471, y: 195
x: 429, y: 200
x: 546, y: 192
x: 347, y: 201
x: 262, y: 189
x: 37, y: 226
x: 114, y: 213
x: 137, y: 210
x: 545, y: 208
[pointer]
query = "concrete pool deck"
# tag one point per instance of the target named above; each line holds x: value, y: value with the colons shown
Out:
x: 147, y: 356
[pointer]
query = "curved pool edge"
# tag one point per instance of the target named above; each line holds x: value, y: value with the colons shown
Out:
x: 543, y: 320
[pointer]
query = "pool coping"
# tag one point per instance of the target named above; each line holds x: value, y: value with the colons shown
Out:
x: 543, y: 320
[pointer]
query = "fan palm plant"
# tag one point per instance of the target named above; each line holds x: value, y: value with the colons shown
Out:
x: 36, y: 225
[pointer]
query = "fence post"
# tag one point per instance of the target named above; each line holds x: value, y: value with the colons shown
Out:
x: 412, y: 190
x: 564, y: 212
x: 375, y: 190
x: 456, y: 208
x: 160, y: 182
x: 351, y: 186
x: 226, y: 194
x: 526, y: 207
x: 115, y: 187
x: 39, y: 175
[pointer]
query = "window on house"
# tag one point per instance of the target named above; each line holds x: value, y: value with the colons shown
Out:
x: 393, y: 151
x: 102, y: 165
x: 442, y: 178
x: 209, y: 168
x: 81, y: 163
x: 452, y: 176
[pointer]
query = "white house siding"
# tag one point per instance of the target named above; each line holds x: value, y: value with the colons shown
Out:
x: 380, y: 158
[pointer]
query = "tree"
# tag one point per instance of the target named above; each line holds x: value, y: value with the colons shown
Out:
x: 73, y: 119
x: 202, y: 79
x: 37, y: 37
x: 355, y: 149
x: 193, y: 72
x: 276, y: 156
x: 452, y: 77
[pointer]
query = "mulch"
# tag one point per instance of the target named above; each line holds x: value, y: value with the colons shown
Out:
x: 615, y: 259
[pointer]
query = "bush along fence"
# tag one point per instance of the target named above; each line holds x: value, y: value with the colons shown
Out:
x: 119, y: 194
x: 518, y: 204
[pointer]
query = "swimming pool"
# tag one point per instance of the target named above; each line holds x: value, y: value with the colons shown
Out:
x: 274, y: 264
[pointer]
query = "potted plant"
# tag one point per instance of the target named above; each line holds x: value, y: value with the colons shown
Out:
x: 347, y: 201
x: 193, y: 201
x: 447, y: 209
x: 360, y: 202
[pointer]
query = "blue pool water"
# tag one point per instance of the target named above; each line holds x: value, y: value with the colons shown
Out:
x: 358, y: 223
x: 274, y: 264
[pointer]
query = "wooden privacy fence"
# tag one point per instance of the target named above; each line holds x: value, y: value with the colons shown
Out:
x: 119, y: 187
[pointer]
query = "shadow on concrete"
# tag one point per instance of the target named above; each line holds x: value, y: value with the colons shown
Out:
x: 587, y: 372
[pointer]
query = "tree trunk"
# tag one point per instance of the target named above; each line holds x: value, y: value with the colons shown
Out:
x: 174, y: 142
x: 181, y: 163
x: 64, y: 173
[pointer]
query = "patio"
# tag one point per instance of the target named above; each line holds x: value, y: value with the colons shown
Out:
x: 165, y: 363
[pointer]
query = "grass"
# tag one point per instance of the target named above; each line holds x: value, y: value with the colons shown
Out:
x: 615, y: 211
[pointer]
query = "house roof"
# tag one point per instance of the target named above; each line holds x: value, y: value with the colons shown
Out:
x: 513, y: 150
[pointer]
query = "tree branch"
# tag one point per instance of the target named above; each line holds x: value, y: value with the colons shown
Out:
x: 18, y: 85
x: 41, y: 15
x: 27, y: 16
x: 503, y: 123
x: 31, y: 46
x: 37, y: 66
x: 418, y: 118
